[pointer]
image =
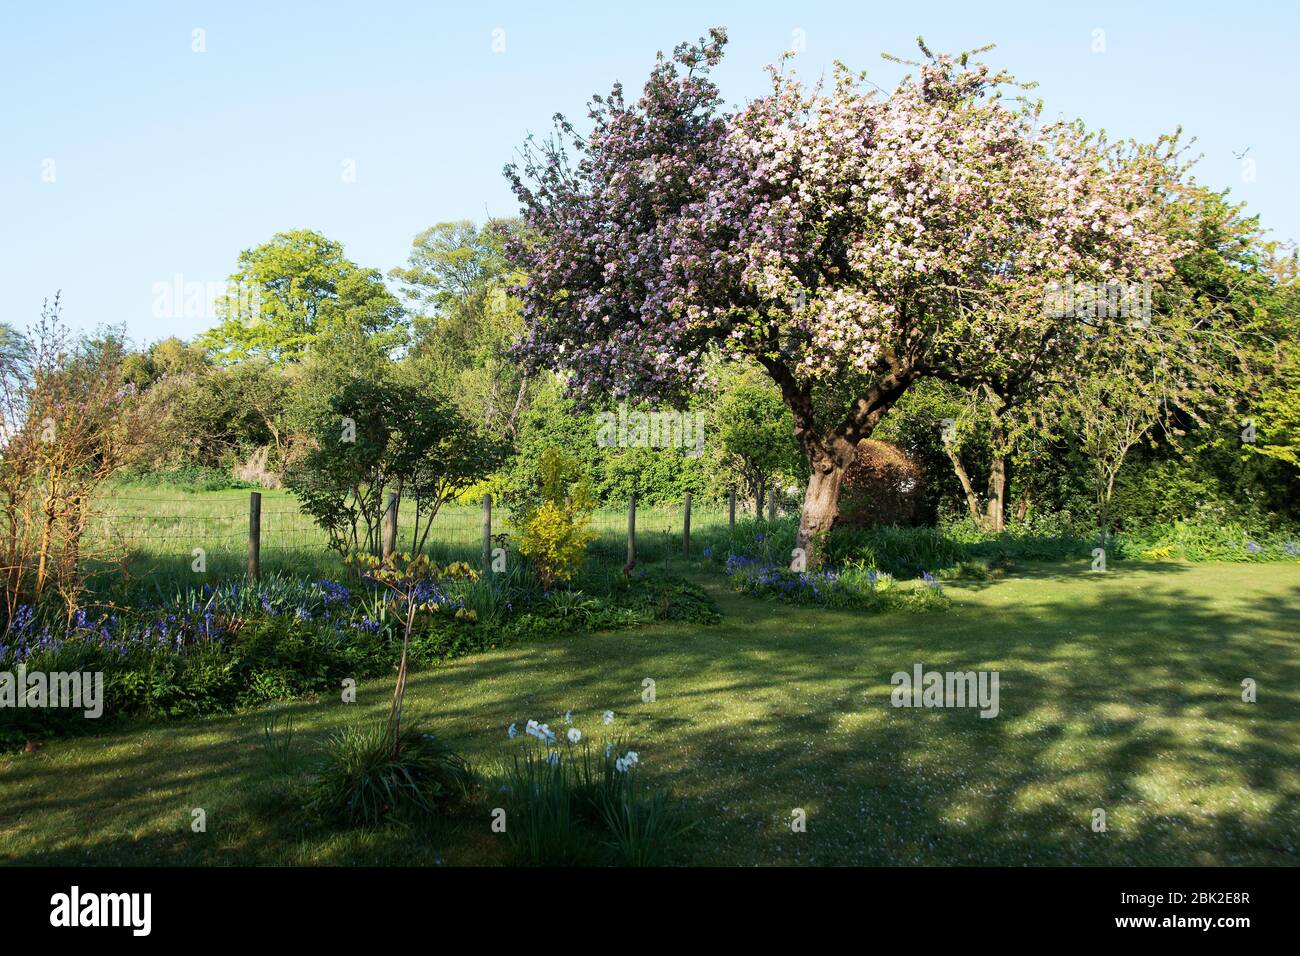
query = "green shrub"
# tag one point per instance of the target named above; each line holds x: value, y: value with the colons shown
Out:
x: 192, y: 478
x: 1210, y: 535
x: 365, y: 780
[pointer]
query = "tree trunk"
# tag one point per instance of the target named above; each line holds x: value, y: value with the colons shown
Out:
x: 830, y: 454
x: 512, y: 425
x: 972, y: 500
x: 996, y: 513
x: 820, y: 506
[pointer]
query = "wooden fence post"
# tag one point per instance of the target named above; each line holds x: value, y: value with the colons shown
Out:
x: 771, y: 504
x: 686, y: 528
x: 390, y: 527
x: 631, y: 534
x: 731, y: 510
x: 487, y: 536
x: 254, y: 534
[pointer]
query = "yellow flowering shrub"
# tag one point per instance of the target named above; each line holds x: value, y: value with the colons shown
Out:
x: 554, y: 534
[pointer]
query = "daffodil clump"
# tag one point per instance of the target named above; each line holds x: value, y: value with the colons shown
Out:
x: 569, y: 800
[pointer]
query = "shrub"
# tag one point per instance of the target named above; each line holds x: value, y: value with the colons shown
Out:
x: 555, y: 539
x: 68, y: 424
x: 1210, y: 536
x: 192, y: 478
x: 554, y: 531
x: 367, y: 779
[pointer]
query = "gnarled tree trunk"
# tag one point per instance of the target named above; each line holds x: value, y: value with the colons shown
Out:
x: 821, y: 500
x: 830, y: 452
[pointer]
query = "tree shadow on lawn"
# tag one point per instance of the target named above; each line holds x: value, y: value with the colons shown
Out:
x: 1123, y: 700
x: 131, y: 803
x: 1139, y: 715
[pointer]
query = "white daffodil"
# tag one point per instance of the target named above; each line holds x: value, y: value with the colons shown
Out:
x: 607, y: 717
x: 574, y: 735
x: 513, y: 732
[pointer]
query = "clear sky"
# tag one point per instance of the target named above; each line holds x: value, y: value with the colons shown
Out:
x: 167, y: 162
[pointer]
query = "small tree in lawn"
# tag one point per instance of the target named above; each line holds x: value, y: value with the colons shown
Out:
x: 1109, y: 413
x: 1132, y: 381
x: 848, y: 242
x: 412, y: 583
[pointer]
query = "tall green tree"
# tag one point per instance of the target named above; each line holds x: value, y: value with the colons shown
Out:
x: 458, y: 284
x: 287, y: 291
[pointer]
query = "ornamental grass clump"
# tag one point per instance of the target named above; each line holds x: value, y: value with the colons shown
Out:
x: 369, y: 777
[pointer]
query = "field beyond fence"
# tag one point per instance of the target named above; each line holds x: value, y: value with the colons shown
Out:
x: 151, y: 533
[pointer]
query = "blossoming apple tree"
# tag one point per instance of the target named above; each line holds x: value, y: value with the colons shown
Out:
x: 846, y: 240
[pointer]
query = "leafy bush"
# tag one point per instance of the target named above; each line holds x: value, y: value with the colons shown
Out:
x: 555, y: 539
x: 366, y: 779
x: 1210, y: 536
x: 554, y: 531
x: 902, y: 552
x: 192, y: 478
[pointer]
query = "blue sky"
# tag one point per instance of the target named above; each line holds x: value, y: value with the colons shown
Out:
x: 168, y: 162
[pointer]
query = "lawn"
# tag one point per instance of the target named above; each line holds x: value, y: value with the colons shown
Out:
x: 1119, y: 691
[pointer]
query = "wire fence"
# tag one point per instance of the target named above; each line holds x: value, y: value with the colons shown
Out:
x: 212, y: 530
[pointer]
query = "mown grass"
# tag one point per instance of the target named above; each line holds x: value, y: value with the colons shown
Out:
x: 1119, y: 691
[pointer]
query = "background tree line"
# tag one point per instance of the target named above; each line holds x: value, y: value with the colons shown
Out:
x: 422, y: 367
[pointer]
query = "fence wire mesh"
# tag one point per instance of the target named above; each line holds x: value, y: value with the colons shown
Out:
x: 173, y: 528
